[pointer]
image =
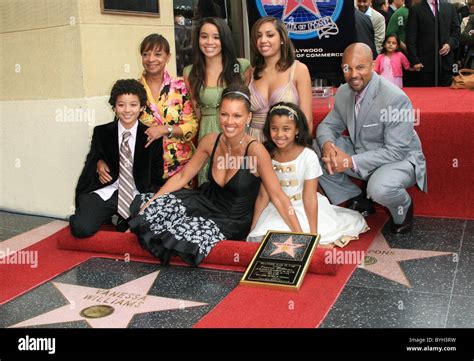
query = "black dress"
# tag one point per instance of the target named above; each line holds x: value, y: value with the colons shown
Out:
x: 189, y: 223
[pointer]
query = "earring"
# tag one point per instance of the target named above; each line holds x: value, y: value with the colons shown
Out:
x: 247, y: 125
x: 296, y: 136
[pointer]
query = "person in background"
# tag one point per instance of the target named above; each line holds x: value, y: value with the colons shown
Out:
x: 394, y: 5
x: 364, y: 30
x: 382, y: 7
x: 421, y: 46
x: 467, y: 14
x: 392, y: 61
x: 215, y: 66
x: 182, y: 39
x: 465, y: 52
x: 467, y: 39
x: 277, y: 75
x: 462, y: 8
x: 208, y: 8
x: 398, y: 23
x: 391, y: 7
x: 377, y: 20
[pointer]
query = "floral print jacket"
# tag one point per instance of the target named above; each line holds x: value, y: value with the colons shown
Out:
x: 173, y: 107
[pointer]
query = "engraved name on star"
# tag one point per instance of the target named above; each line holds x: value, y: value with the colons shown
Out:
x: 125, y: 301
x: 286, y: 247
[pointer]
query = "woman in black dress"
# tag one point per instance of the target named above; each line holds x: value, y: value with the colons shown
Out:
x: 188, y: 223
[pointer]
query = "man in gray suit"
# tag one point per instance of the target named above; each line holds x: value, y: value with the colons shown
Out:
x: 382, y: 147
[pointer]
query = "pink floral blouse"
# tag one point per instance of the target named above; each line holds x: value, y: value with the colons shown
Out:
x: 173, y: 107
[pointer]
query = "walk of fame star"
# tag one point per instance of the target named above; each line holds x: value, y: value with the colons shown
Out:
x: 384, y: 261
x: 292, y: 5
x: 286, y: 247
x: 121, y: 303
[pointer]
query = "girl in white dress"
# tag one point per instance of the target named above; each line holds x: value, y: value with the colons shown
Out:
x: 297, y: 166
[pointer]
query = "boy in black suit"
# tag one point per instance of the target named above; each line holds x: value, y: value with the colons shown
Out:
x: 133, y: 168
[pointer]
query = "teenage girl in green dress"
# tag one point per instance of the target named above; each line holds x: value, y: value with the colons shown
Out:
x: 215, y: 66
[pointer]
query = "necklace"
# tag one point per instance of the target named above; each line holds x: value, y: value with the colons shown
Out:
x: 229, y: 147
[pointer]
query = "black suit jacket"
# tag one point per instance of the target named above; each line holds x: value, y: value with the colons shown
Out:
x: 147, y: 162
x: 420, y: 35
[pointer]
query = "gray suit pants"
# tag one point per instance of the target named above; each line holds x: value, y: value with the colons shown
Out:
x: 386, y: 185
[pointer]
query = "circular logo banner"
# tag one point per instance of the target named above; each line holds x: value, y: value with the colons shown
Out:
x: 304, y: 19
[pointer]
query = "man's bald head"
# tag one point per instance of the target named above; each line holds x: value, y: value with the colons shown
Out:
x: 357, y: 65
x: 360, y: 49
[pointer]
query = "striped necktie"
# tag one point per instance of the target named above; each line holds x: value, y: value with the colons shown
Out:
x: 358, y: 100
x: 126, y: 182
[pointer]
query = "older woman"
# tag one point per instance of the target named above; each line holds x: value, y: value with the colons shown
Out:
x: 277, y: 75
x: 189, y: 223
x: 168, y: 114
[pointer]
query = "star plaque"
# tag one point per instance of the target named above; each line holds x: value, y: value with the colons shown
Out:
x: 281, y: 260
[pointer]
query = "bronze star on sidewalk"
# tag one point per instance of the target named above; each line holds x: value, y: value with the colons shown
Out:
x: 111, y: 308
x: 384, y: 261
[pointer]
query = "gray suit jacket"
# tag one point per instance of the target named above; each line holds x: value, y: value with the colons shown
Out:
x: 384, y: 132
x: 378, y: 21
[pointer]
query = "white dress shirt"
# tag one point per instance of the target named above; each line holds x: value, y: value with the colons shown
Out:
x: 431, y: 3
x: 107, y: 192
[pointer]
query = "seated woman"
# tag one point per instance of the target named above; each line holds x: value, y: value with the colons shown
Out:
x: 297, y: 167
x: 168, y: 113
x: 189, y: 223
x: 277, y: 75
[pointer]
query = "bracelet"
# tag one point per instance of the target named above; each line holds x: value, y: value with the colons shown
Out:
x: 170, y: 131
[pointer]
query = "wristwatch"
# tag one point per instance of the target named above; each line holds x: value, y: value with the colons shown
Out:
x: 170, y: 131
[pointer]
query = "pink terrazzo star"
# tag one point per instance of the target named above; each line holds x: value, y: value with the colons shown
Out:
x: 387, y: 259
x: 128, y: 299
